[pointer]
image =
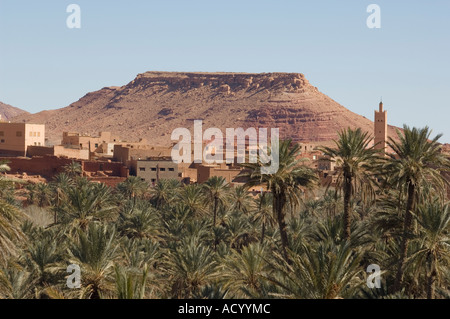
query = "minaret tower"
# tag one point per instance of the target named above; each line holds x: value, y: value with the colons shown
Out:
x: 380, y: 128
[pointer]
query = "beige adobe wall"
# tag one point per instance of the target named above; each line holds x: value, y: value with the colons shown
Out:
x: 154, y: 170
x: 126, y: 153
x: 71, y: 139
x: 60, y: 150
x: 86, y: 142
x: 35, y: 134
x: 40, y: 151
x: 107, y: 149
x: 228, y: 174
x: 15, y: 137
x: 190, y: 173
x: 121, y: 153
x: 12, y: 139
x: 204, y: 173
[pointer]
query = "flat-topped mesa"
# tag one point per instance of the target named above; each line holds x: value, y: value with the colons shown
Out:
x: 288, y: 82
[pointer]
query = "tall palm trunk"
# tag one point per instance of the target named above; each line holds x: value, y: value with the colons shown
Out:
x: 431, y: 279
x: 216, y: 200
x: 405, y: 240
x: 263, y: 231
x: 347, y: 195
x: 278, y: 205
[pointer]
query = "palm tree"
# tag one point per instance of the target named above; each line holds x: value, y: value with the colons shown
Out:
x: 190, y: 268
x: 94, y: 251
x: 10, y: 219
x: 285, y: 184
x: 133, y: 187
x: 434, y: 253
x: 16, y: 283
x: 59, y: 186
x: 263, y: 213
x: 240, y: 199
x: 327, y: 271
x: 86, y: 202
x: 216, y: 190
x: 10, y: 233
x: 44, y: 194
x: 164, y: 192
x: 142, y: 222
x: 243, y: 271
x: 416, y: 159
x: 331, y: 202
x: 73, y: 169
x: 42, y: 256
x: 192, y: 197
x: 130, y: 284
x: 355, y: 157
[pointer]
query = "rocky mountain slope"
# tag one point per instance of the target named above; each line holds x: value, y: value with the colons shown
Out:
x: 7, y: 112
x: 155, y: 103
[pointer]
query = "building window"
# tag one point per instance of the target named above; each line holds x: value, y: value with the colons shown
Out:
x: 19, y: 134
x: 39, y: 134
x: 31, y: 134
x: 34, y: 133
x: 162, y: 169
x: 2, y: 141
x: 171, y: 169
x: 96, y: 145
x: 142, y: 169
x: 153, y: 180
x: 39, y: 143
x: 153, y: 169
x: 35, y: 143
x: 2, y: 133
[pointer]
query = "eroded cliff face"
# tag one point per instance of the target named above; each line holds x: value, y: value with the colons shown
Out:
x: 287, y: 82
x: 155, y: 103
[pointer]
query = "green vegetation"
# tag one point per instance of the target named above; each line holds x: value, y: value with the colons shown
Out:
x: 297, y: 240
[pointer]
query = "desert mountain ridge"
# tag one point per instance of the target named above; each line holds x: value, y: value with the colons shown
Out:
x: 7, y: 112
x: 155, y: 103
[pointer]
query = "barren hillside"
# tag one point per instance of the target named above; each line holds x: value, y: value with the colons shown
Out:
x: 7, y: 111
x: 155, y: 103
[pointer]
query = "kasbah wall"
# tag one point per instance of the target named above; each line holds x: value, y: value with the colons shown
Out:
x: 49, y: 166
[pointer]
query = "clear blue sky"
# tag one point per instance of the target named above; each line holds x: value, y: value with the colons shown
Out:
x: 45, y: 65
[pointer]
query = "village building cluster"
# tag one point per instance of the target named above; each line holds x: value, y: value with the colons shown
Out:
x: 107, y: 159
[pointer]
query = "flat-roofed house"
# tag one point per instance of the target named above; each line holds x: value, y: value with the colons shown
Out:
x: 16, y: 137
